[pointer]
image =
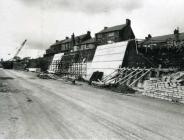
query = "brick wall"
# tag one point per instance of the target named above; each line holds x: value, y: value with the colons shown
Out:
x: 171, y: 91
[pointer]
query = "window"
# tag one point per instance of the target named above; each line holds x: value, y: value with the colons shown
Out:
x: 87, y: 46
x: 63, y: 47
x: 67, y: 46
x: 111, y: 34
x: 99, y: 36
x: 83, y: 47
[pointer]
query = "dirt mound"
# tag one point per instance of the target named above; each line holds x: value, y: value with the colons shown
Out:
x: 123, y: 89
x: 6, y: 78
x: 47, y: 76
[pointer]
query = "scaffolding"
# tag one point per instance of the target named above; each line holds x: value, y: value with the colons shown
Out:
x: 78, y: 69
x: 73, y: 64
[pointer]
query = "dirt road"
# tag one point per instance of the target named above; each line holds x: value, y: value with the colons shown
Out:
x: 36, y: 108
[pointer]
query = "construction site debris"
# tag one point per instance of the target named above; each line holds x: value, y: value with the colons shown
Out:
x: 6, y: 78
x: 124, y: 89
x: 72, y: 79
x: 47, y: 76
x: 125, y: 76
x: 29, y: 99
x: 34, y: 70
x: 96, y: 76
x: 176, y: 77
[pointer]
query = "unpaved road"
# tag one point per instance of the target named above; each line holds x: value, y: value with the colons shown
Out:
x: 36, y: 108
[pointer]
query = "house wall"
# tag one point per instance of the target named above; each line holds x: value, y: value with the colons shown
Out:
x: 87, y: 46
x: 126, y: 34
x: 115, y: 36
x: 103, y: 38
x: 66, y: 47
x: 90, y: 46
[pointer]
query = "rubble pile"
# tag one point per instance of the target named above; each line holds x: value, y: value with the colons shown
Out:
x: 123, y: 89
x: 47, y: 76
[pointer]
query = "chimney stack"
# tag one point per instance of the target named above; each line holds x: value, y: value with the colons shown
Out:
x: 88, y: 32
x: 149, y: 36
x: 73, y: 39
x: 73, y: 36
x: 128, y: 22
x: 67, y: 37
x: 105, y: 28
x: 176, y: 33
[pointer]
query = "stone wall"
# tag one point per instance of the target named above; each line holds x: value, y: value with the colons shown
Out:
x: 171, y: 91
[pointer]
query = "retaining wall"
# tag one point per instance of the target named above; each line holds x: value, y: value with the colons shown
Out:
x: 171, y: 91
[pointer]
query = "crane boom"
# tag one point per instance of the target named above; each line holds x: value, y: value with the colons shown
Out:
x: 18, y: 51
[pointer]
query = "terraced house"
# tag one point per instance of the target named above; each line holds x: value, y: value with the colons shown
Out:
x: 165, y: 50
x: 68, y: 44
x: 116, y: 33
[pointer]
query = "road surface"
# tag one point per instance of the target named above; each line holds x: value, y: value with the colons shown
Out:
x: 37, y: 108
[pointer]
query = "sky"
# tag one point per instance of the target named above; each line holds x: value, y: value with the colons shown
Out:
x: 42, y: 22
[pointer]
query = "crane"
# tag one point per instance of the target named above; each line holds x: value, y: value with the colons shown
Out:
x: 18, y: 51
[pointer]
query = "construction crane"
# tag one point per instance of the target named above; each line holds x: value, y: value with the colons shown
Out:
x: 18, y: 51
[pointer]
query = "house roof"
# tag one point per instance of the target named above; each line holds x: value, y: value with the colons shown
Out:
x: 67, y: 40
x: 58, y: 43
x: 76, y: 38
x: 163, y: 38
x: 89, y: 41
x: 113, y: 28
x: 166, y: 37
x: 81, y: 37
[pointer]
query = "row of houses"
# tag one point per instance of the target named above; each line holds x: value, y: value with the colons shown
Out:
x: 165, y: 50
x: 86, y: 41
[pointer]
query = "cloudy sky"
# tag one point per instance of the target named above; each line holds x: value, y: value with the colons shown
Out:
x: 42, y: 22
